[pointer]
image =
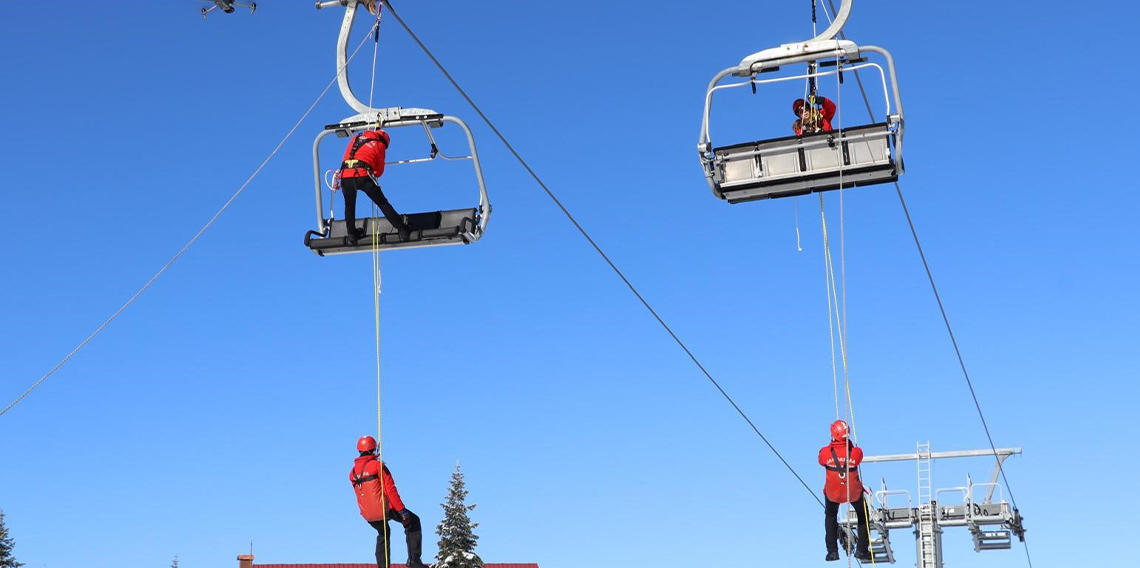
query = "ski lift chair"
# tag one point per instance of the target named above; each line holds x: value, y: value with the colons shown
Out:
x: 429, y: 229
x: 796, y: 165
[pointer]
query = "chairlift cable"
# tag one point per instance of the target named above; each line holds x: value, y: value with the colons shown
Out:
x: 598, y: 249
x: 945, y: 317
x: 182, y: 250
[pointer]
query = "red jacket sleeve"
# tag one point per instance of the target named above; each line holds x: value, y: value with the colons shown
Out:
x: 377, y: 153
x: 390, y: 492
x: 828, y: 109
x: 856, y: 457
x: 824, y: 456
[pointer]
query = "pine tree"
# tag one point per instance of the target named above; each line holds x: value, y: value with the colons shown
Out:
x: 456, y: 531
x: 175, y: 563
x: 6, y: 546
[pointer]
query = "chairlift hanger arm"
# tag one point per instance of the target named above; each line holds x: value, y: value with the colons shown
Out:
x: 837, y: 23
x: 350, y: 7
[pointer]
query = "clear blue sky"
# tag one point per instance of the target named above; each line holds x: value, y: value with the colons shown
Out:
x: 224, y: 405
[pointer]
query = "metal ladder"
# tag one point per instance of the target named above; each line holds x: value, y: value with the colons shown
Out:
x: 928, y: 556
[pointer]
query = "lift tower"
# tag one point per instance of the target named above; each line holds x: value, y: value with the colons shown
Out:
x: 992, y: 523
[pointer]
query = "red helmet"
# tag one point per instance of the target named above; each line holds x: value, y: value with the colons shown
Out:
x: 838, y: 430
x: 798, y: 107
x: 366, y: 444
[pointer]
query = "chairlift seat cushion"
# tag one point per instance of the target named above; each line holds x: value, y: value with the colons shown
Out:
x: 434, y: 228
x: 796, y: 165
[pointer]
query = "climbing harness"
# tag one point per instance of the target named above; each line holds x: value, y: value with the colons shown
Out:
x: 360, y: 141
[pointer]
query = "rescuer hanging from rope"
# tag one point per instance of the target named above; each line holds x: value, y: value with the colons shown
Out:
x: 843, y: 486
x: 379, y: 502
x: 362, y: 166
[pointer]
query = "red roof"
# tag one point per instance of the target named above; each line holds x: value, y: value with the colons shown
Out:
x: 509, y: 565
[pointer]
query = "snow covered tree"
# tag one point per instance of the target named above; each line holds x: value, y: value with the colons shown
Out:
x: 6, y: 546
x: 456, y: 531
x: 175, y: 563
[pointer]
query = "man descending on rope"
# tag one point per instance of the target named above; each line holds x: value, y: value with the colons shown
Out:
x: 364, y: 164
x: 843, y: 486
x: 380, y: 502
x: 813, y: 116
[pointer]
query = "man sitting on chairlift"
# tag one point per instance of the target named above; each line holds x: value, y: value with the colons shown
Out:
x: 364, y: 164
x: 813, y: 116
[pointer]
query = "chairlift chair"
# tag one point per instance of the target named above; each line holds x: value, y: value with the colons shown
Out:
x: 429, y: 229
x: 821, y: 161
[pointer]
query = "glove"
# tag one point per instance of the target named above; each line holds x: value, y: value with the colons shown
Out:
x: 405, y: 516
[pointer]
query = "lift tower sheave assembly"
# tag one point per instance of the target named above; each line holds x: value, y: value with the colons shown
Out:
x: 992, y: 523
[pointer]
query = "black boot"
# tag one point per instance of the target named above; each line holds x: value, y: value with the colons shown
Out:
x: 863, y: 555
x: 352, y: 234
x: 831, y: 556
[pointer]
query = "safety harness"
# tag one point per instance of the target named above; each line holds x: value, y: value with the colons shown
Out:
x: 842, y: 471
x: 812, y: 120
x: 359, y: 479
x: 357, y: 143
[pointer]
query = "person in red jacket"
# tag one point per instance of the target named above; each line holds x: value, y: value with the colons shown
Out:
x: 841, y: 459
x: 364, y: 164
x: 815, y: 117
x: 379, y: 502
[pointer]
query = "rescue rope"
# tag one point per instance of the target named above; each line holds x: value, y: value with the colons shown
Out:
x: 796, y: 214
x: 186, y: 246
x: 597, y: 248
x: 376, y: 283
x: 837, y: 306
x: 942, y: 310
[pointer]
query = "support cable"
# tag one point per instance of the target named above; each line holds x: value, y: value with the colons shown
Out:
x: 599, y: 250
x: 945, y: 317
x: 185, y: 247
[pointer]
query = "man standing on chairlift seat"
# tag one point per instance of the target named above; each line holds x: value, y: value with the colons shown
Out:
x: 813, y: 116
x: 841, y: 458
x: 379, y: 502
x: 364, y: 164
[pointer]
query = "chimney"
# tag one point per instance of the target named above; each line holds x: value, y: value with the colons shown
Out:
x: 245, y: 561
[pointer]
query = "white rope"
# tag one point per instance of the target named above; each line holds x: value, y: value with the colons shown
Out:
x: 184, y: 248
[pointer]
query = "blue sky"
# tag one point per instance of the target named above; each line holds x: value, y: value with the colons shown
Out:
x: 224, y: 405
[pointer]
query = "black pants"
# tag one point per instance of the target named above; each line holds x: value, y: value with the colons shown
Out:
x: 413, y: 534
x: 831, y: 509
x: 349, y: 186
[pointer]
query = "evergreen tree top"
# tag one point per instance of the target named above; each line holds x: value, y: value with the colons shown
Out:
x: 456, y: 531
x: 7, y: 543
